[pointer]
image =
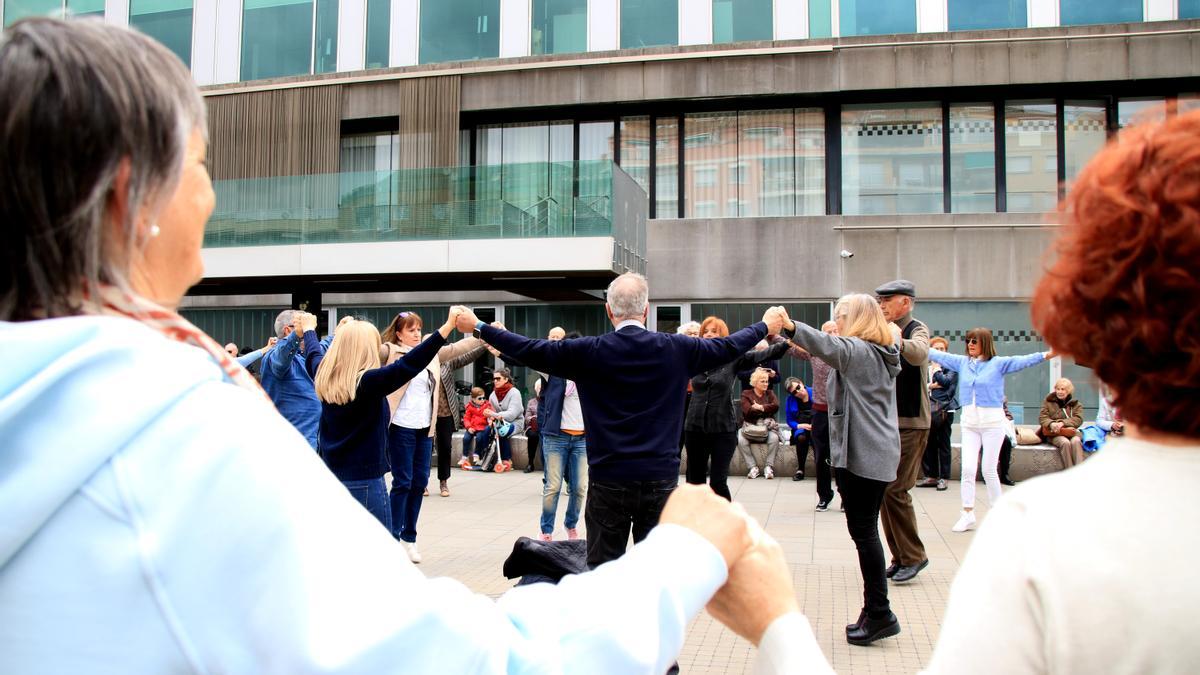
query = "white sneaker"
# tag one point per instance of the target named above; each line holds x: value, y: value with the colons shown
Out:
x: 413, y: 554
x: 966, y: 521
x: 769, y: 473
x: 753, y: 472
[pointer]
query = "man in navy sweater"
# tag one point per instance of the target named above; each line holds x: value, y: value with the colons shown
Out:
x: 631, y: 384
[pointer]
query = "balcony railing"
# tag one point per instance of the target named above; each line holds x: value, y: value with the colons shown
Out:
x: 563, y: 199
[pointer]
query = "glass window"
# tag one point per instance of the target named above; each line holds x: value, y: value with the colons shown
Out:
x: 488, y: 158
x: 711, y: 144
x: 892, y: 159
x: 596, y: 150
x: 168, y: 21
x: 635, y: 149
x: 326, y: 37
x: 667, y: 318
x: 1076, y: 12
x: 666, y: 167
x: 878, y: 17
x: 985, y: 14
x: 1030, y: 149
x: 972, y: 158
x: 559, y: 27
x: 820, y: 19
x: 1085, y: 131
x: 459, y: 30
x: 646, y: 23
x: 766, y: 168
x: 742, y: 20
x: 92, y: 8
x: 1138, y: 110
x: 276, y: 38
x: 810, y: 161
x: 19, y: 9
x: 1189, y: 9
x: 365, y: 180
x: 379, y: 33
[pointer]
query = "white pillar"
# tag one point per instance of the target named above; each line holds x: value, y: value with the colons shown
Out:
x: 604, y: 25
x: 1043, y: 13
x: 791, y: 19
x: 352, y: 35
x: 227, y: 42
x: 835, y: 18
x: 204, y: 42
x: 931, y: 16
x: 115, y: 12
x: 514, y: 28
x: 695, y: 22
x: 404, y: 45
x: 1161, y: 10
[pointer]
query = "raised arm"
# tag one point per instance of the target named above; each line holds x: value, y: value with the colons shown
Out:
x: 706, y: 354
x: 284, y: 352
x: 747, y: 362
x: 314, y: 352
x: 383, y: 381
x: 563, y: 358
x: 832, y: 349
x: 249, y: 359
x: 1011, y: 364
x: 946, y: 360
x: 459, y: 354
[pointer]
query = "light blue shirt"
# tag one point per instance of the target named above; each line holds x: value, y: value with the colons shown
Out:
x: 982, y: 382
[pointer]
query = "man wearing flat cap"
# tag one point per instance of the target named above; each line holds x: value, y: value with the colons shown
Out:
x: 896, y: 299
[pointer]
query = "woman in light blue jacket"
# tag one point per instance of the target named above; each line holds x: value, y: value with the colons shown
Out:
x: 981, y: 395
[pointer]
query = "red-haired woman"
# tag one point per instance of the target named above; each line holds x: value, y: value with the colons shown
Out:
x: 1041, y: 589
x: 981, y: 395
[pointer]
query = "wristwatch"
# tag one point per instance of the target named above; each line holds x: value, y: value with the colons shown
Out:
x: 479, y: 326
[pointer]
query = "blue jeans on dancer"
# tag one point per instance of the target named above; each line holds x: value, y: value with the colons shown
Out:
x: 411, y: 451
x: 372, y: 494
x: 563, y: 452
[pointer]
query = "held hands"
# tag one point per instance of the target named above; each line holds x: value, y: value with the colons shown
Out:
x: 466, y: 320
x: 270, y: 343
x: 452, y: 320
x: 307, y: 322
x: 759, y: 590
x: 725, y: 525
x: 777, y: 319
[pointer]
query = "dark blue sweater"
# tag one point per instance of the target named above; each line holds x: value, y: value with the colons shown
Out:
x: 353, y: 436
x: 631, y: 388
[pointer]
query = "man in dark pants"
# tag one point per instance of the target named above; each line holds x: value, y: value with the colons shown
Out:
x: 896, y: 299
x: 943, y: 401
x: 819, y: 437
x: 631, y: 386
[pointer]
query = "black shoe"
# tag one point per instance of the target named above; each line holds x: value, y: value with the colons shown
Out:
x: 798, y: 476
x: 909, y: 572
x: 529, y: 469
x: 871, y: 630
x: 851, y: 627
x: 891, y: 570
x: 823, y: 505
x: 1005, y: 480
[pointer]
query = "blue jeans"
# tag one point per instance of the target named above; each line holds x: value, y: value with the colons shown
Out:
x: 476, y: 442
x: 372, y: 493
x: 411, y: 451
x: 558, y: 452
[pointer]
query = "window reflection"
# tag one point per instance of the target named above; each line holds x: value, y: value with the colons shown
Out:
x: 892, y: 159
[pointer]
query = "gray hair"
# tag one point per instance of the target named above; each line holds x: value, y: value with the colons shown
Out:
x: 83, y: 101
x: 628, y: 296
x: 285, y: 319
x: 691, y: 325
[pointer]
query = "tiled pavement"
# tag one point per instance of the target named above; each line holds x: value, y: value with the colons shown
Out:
x: 468, y: 535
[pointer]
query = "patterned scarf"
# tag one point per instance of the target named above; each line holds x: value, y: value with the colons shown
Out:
x: 112, y: 301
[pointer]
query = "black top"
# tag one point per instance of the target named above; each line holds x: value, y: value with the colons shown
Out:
x: 631, y: 387
x: 353, y: 437
x: 712, y: 410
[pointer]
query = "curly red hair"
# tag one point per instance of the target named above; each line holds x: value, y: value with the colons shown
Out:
x: 1123, y: 294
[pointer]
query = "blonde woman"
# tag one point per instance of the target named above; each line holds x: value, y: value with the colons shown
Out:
x: 864, y: 440
x: 759, y: 405
x: 353, y: 390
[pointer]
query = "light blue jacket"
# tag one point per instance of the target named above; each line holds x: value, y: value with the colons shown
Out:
x: 158, y: 519
x: 982, y: 382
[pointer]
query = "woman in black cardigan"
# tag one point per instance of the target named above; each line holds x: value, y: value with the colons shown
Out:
x: 710, y: 428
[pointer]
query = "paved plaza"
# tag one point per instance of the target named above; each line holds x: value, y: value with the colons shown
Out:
x: 468, y: 535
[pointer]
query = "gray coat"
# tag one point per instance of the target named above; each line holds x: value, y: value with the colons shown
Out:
x: 510, y: 409
x: 863, y: 434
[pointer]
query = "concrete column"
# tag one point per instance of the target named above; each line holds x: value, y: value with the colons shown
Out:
x: 791, y: 19
x: 1161, y: 10
x: 604, y: 25
x: 115, y: 12
x: 227, y: 42
x: 514, y: 28
x: 1043, y: 13
x: 695, y: 22
x: 404, y: 47
x: 931, y: 16
x: 352, y: 35
x: 204, y: 42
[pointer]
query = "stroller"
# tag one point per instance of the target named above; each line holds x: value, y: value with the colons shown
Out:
x: 491, y: 457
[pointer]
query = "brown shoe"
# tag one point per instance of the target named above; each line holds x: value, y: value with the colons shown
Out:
x: 445, y: 489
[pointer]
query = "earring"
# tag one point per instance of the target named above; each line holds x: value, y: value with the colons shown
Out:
x: 154, y: 231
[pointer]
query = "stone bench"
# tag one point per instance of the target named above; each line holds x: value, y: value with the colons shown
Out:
x: 1028, y: 461
x: 518, y: 443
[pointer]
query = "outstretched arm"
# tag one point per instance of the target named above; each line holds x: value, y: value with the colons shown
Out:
x: 1011, y: 364
x: 952, y: 361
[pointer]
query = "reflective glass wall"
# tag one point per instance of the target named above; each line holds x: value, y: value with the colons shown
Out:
x: 892, y: 159
x: 459, y: 30
x: 647, y: 23
x: 1077, y: 12
x: 878, y: 17
x: 19, y: 9
x: 168, y: 21
x: 559, y: 27
x: 972, y: 158
x: 1031, y: 155
x: 986, y: 14
x: 277, y: 38
x: 379, y: 33
x: 742, y: 20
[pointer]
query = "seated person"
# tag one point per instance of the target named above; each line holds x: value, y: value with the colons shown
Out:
x: 506, y: 408
x: 1108, y: 423
x: 759, y: 406
x: 1060, y: 419
x: 478, y: 431
x: 799, y: 416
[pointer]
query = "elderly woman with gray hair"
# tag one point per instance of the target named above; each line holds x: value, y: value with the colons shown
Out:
x: 219, y: 541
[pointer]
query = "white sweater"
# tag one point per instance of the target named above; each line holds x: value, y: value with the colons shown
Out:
x: 1091, y: 570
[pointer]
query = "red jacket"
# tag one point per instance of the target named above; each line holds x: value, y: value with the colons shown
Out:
x: 473, y: 417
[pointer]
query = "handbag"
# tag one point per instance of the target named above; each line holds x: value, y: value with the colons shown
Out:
x: 755, y: 433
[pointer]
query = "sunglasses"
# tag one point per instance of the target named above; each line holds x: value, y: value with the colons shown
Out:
x: 478, y: 398
x: 972, y: 341
x: 497, y: 379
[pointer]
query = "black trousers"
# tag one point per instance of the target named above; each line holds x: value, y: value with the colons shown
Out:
x: 820, y: 442
x: 801, y: 443
x: 936, y: 461
x: 715, y: 448
x: 1005, y: 458
x: 862, y: 498
x: 613, y: 509
x: 442, y: 433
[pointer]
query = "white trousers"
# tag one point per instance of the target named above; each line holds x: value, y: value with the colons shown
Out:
x: 991, y: 439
